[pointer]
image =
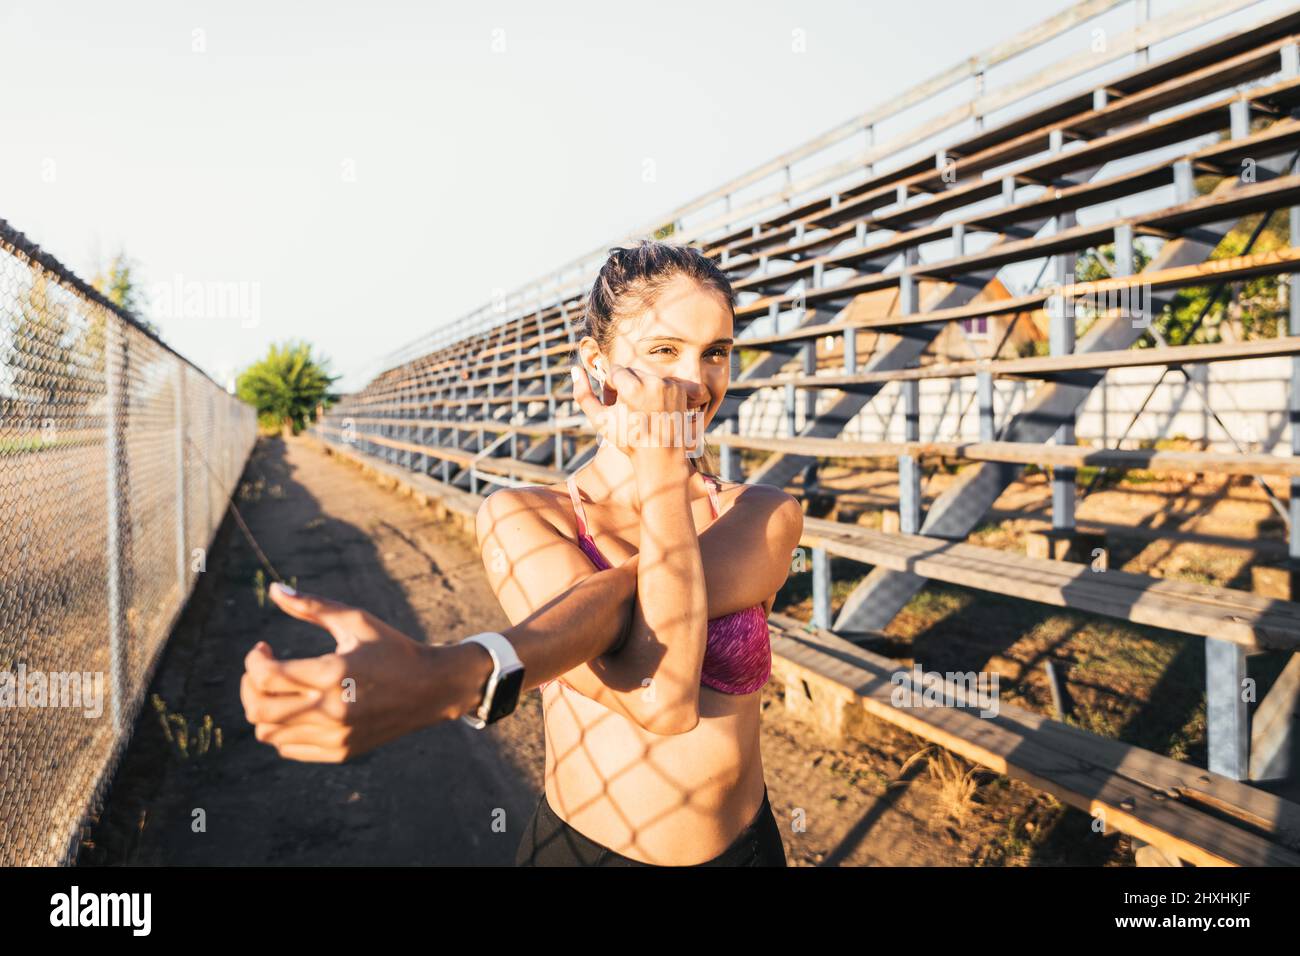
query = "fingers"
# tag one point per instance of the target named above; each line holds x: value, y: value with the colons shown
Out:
x: 266, y: 674
x: 624, y: 380
x: 586, y: 398
x: 311, y: 754
x: 293, y: 676
x: 277, y: 735
x: 265, y: 708
x: 645, y: 390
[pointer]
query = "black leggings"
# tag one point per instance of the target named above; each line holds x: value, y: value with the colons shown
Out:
x: 550, y: 841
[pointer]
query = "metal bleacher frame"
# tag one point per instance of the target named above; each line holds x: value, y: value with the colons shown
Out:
x: 486, y: 400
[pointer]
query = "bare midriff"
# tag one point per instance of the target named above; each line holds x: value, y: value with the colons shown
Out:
x: 670, y: 800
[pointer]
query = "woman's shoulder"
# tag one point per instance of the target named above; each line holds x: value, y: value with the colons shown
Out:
x: 525, y: 503
x: 539, y: 495
x: 774, y: 503
x: 755, y: 493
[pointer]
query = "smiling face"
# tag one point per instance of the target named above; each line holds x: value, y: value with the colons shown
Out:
x: 685, y: 335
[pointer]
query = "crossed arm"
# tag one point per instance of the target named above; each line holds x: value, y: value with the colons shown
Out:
x: 745, y: 558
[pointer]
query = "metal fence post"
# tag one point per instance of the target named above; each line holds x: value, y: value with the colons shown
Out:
x: 182, y: 576
x: 118, y: 627
x: 211, y: 419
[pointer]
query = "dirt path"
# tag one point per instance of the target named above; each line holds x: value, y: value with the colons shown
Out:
x: 430, y: 798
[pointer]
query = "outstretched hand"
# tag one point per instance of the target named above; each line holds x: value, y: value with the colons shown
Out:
x: 378, y: 685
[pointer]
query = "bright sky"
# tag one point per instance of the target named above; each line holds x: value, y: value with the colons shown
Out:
x: 363, y: 173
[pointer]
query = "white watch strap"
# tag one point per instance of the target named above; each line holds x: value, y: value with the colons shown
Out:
x: 503, y: 658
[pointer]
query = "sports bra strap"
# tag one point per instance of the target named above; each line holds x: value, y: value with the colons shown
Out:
x: 577, y: 507
x: 712, y: 484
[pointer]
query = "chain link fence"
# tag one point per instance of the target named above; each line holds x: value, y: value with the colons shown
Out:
x: 117, y: 457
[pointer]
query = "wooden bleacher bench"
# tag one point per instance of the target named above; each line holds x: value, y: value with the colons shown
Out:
x: 1187, y: 812
x: 1191, y: 608
x: 499, y: 466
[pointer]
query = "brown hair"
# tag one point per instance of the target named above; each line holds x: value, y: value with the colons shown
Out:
x: 631, y: 280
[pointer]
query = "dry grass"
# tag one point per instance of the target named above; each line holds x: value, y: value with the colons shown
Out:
x: 957, y: 781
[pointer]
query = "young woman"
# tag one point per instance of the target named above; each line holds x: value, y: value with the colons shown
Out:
x: 655, y: 630
x: 652, y: 750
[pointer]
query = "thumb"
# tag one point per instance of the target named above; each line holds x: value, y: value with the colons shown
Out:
x: 305, y: 607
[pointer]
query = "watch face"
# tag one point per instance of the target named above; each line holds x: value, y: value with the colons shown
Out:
x: 506, y: 695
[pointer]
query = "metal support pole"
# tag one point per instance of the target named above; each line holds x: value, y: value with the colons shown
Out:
x: 1239, y: 118
x: 821, y: 586
x: 1290, y: 60
x: 984, y: 399
x: 1227, y: 714
x: 1227, y: 718
x: 1125, y: 261
x: 546, y: 366
x: 909, y: 466
x: 1184, y: 182
x: 1062, y: 336
x: 730, y: 471
x: 810, y: 368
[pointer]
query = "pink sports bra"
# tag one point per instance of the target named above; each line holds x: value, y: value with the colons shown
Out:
x: 738, y: 652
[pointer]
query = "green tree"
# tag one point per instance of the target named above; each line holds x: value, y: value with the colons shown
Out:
x: 1256, y: 307
x: 286, y: 386
x: 117, y: 284
x: 35, y: 362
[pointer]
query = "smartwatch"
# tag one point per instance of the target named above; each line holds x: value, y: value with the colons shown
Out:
x: 501, y: 694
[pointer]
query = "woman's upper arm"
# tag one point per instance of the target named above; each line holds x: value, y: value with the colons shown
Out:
x: 747, y: 552
x: 528, y: 561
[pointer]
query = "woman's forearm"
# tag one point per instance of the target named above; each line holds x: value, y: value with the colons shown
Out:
x: 666, y: 633
x: 654, y: 678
